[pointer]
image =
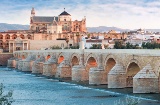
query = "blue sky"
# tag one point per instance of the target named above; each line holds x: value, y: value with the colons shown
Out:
x: 130, y: 14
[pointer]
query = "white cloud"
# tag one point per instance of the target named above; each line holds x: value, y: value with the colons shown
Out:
x: 123, y: 14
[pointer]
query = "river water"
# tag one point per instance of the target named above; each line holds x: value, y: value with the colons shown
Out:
x: 30, y: 89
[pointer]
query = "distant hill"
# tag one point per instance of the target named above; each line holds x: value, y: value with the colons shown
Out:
x: 5, y: 27
x: 105, y: 29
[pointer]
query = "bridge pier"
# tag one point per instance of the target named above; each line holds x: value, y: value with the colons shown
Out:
x: 37, y: 66
x: 50, y: 66
x: 11, y: 63
x: 146, y: 81
x: 64, y: 70
x: 28, y: 62
x: 117, y: 77
x: 78, y: 72
x: 20, y: 64
x: 16, y: 62
x: 97, y: 76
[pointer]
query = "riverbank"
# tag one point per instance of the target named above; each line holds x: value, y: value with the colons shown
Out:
x: 33, y: 89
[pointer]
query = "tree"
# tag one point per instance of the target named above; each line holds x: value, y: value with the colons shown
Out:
x: 96, y: 46
x: 5, y: 99
x: 119, y: 45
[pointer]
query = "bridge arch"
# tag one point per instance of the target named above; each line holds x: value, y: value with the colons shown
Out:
x: 74, y: 59
x: 47, y: 57
x: 132, y: 69
x: 90, y: 63
x: 90, y: 57
x: 60, y: 57
x: 23, y: 57
x: 109, y: 63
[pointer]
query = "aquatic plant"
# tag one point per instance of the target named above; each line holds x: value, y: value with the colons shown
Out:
x: 5, y: 99
x: 128, y: 101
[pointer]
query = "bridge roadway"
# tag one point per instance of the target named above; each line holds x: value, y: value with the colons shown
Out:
x: 119, y: 68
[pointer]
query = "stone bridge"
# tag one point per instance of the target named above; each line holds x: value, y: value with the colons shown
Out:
x: 117, y: 68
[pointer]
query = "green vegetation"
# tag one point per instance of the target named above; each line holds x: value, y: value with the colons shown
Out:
x: 96, y: 46
x: 74, y: 47
x: 55, y: 47
x: 145, y: 45
x: 7, y: 98
x: 148, y: 45
x: 120, y: 45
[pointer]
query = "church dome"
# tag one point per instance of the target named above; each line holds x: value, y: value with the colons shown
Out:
x: 64, y: 13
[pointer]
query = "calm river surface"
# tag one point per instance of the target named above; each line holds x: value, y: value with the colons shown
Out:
x: 29, y: 89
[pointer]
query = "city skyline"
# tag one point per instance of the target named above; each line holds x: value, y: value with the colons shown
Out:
x: 123, y: 14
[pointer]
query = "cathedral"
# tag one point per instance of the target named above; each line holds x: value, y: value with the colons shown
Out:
x: 44, y: 32
x: 56, y: 24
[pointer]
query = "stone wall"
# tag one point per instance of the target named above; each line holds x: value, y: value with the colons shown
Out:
x: 38, y: 44
x: 4, y: 57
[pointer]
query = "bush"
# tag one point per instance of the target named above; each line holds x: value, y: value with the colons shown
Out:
x: 74, y: 47
x: 119, y: 45
x: 96, y: 46
x: 55, y: 47
x: 149, y: 45
x: 5, y: 99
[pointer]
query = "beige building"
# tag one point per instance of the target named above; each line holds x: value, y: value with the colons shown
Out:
x: 56, y: 24
x: 44, y: 32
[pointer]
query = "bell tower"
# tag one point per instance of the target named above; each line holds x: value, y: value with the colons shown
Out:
x: 32, y: 12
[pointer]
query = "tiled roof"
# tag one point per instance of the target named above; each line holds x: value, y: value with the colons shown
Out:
x: 43, y: 19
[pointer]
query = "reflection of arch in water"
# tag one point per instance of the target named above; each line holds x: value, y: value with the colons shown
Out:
x: 132, y: 69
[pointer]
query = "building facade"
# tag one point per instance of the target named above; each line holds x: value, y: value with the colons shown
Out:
x: 56, y: 24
